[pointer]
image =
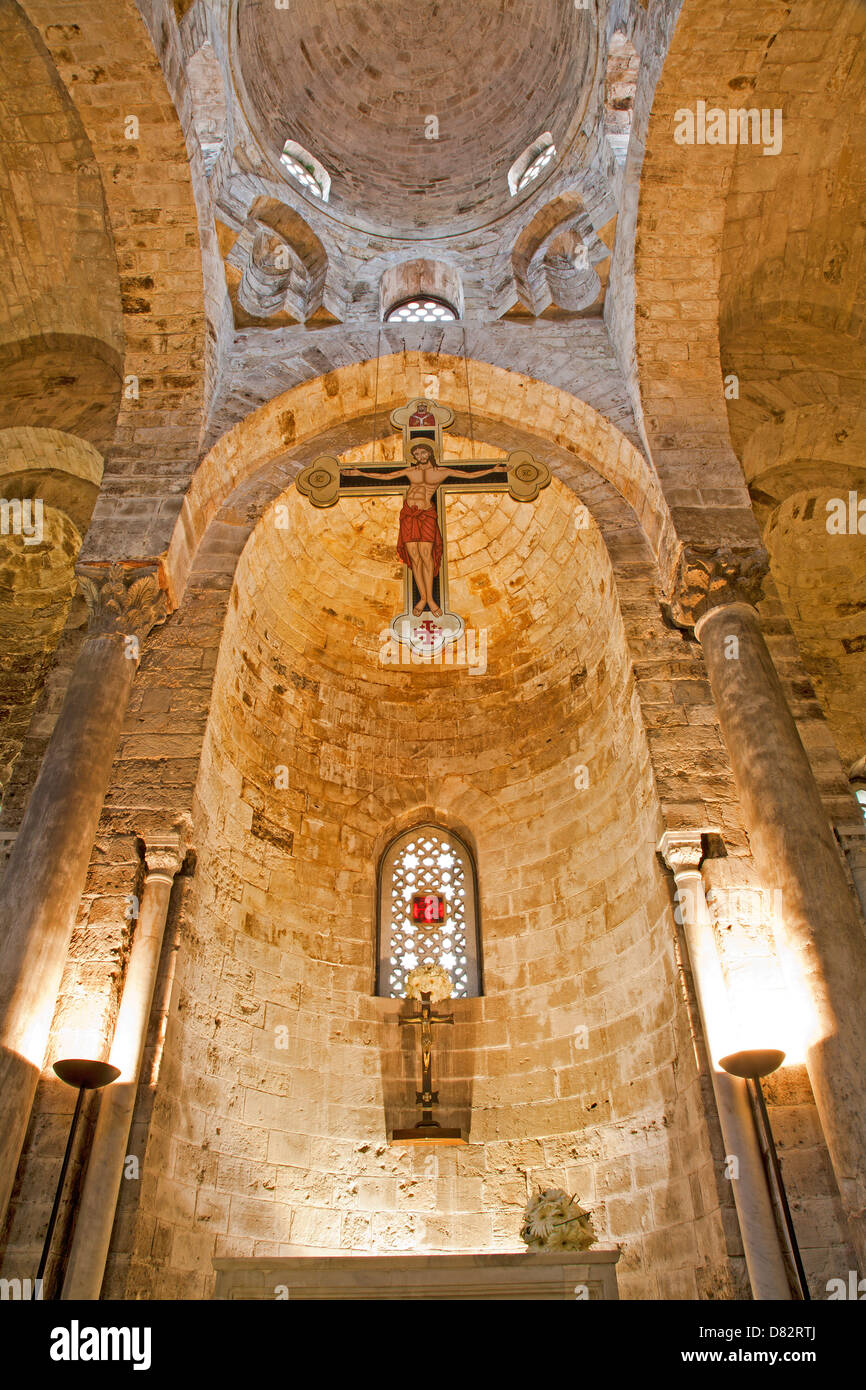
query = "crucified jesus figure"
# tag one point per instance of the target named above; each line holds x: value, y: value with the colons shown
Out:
x: 419, y: 543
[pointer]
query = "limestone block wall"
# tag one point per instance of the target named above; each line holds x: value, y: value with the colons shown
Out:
x: 822, y: 584
x: 53, y: 477
x: 156, y: 768
x: 37, y: 584
x: 268, y: 1129
x: 60, y: 274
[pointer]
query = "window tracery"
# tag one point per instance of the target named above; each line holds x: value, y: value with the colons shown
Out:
x: 428, y: 911
x: 421, y: 309
x: 306, y: 169
x: 529, y: 165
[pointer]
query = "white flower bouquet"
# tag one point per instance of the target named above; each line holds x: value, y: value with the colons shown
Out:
x: 554, y: 1221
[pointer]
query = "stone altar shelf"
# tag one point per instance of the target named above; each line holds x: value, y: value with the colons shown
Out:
x: 396, y: 1277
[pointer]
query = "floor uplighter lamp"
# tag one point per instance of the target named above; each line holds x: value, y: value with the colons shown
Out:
x: 87, y: 1076
x: 751, y: 1065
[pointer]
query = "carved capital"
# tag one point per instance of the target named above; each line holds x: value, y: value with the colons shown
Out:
x: 123, y: 602
x: 164, y: 854
x: 681, y: 850
x: 708, y: 578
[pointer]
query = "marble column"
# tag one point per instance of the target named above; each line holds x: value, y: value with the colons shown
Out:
x: 765, y: 1262
x: 98, y: 1202
x: 47, y: 868
x: 822, y: 942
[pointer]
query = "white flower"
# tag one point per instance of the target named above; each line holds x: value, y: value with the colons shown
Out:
x: 554, y: 1221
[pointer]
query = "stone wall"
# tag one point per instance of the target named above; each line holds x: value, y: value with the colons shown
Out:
x: 575, y: 1068
x: 36, y: 586
x: 549, y: 603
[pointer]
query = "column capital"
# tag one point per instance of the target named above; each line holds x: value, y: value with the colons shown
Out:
x: 709, y: 577
x: 164, y: 853
x: 681, y: 850
x: 122, y: 601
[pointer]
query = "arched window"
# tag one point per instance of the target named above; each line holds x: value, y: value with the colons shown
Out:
x: 306, y: 169
x: 428, y: 911
x: 529, y: 165
x: 421, y: 308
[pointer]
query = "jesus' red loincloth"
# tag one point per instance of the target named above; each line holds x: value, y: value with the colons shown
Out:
x: 419, y: 524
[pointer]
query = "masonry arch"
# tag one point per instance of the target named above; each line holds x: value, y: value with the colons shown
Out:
x: 762, y: 345
x: 350, y: 405
x: 144, y: 170
x: 312, y: 755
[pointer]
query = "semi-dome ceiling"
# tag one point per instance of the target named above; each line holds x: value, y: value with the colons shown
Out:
x: 354, y: 84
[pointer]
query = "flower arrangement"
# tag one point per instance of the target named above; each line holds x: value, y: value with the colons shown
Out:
x: 554, y: 1221
x: 429, y: 979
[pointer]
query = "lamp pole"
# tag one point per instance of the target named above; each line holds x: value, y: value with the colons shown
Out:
x: 87, y: 1075
x: 752, y: 1065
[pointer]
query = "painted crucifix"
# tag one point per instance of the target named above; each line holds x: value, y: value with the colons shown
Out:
x: 424, y: 478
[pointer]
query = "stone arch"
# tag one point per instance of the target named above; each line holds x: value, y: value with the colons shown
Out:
x: 300, y: 643
x: 798, y: 445
x: 56, y: 476
x: 59, y: 266
x: 699, y: 213
x: 558, y: 256
x: 305, y: 246
x: 754, y: 372
x: 61, y: 331
x: 153, y: 218
x: 333, y: 412
x: 70, y: 382
x: 421, y: 277
x: 681, y: 223
x: 276, y: 267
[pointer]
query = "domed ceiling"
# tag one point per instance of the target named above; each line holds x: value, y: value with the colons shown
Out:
x: 354, y: 83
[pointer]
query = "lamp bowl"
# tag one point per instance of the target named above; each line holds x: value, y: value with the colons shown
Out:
x: 85, y: 1073
x: 751, y: 1064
